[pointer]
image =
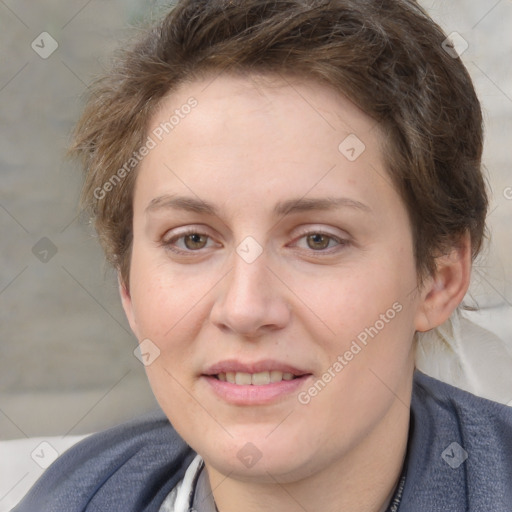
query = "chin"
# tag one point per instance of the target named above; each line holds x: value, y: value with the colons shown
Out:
x: 256, y: 457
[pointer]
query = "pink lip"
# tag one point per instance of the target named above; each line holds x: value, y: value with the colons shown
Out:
x: 254, y: 395
x: 264, y: 365
x: 250, y: 394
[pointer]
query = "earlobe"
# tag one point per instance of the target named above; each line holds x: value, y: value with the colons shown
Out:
x: 126, y: 301
x: 444, y: 291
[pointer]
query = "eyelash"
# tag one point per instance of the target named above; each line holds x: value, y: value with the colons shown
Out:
x: 169, y: 243
x: 341, y: 242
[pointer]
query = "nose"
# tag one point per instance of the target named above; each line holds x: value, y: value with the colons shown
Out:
x: 251, y: 301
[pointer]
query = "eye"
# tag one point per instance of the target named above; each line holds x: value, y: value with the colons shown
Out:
x: 194, y: 241
x: 319, y: 241
x: 190, y: 241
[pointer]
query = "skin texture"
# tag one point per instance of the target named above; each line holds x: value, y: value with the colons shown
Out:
x: 249, y: 144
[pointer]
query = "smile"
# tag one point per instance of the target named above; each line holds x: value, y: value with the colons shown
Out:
x: 256, y: 383
x: 255, y: 379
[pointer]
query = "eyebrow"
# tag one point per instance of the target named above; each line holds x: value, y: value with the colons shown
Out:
x: 190, y: 204
x: 325, y: 204
x: 282, y: 208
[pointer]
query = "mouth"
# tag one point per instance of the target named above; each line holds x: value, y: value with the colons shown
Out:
x: 258, y: 383
x: 255, y: 379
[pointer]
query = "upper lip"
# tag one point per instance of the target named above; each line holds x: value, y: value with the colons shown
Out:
x: 265, y: 365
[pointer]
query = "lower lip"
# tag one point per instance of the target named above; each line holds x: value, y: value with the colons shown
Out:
x: 254, y: 395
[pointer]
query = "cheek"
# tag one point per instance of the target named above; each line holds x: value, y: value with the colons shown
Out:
x: 365, y: 315
x: 346, y: 301
x: 368, y: 365
x: 164, y: 300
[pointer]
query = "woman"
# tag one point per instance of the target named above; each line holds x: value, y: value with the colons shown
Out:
x: 290, y: 191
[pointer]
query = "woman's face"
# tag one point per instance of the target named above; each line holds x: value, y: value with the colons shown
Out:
x: 270, y: 245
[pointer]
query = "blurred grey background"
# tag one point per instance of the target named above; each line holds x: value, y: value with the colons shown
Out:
x: 66, y: 352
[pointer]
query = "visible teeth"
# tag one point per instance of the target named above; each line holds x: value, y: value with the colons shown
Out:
x: 259, y: 379
x: 242, y: 378
x: 276, y: 376
x: 256, y: 379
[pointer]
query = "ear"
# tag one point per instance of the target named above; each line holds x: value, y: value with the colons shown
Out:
x: 127, y: 303
x: 444, y: 291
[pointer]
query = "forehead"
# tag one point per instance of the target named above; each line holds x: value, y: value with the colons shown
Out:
x: 261, y: 133
x: 243, y: 99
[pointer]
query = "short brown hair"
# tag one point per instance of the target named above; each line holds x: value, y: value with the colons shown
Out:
x: 386, y: 56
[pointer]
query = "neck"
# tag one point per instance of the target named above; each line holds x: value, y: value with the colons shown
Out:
x: 363, y: 480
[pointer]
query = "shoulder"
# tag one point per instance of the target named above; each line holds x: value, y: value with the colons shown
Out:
x: 131, y: 467
x: 472, y: 414
x: 460, y: 450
